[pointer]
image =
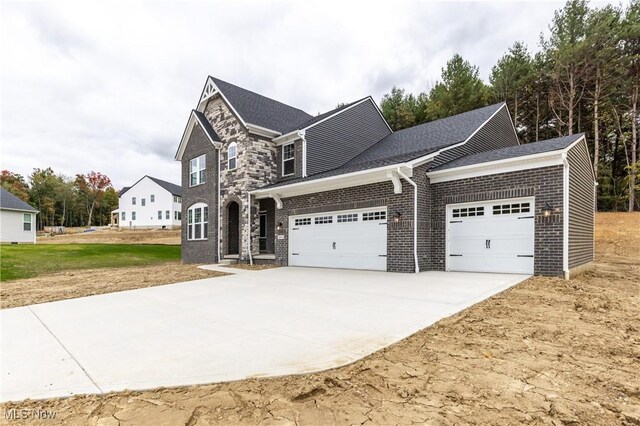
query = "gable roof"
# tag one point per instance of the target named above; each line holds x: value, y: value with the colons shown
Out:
x: 196, y: 117
x: 172, y: 188
x: 412, y: 143
x: 8, y: 201
x: 549, y: 145
x: 206, y: 126
x: 260, y: 110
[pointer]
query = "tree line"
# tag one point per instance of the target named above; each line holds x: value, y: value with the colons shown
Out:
x: 84, y: 200
x: 585, y: 78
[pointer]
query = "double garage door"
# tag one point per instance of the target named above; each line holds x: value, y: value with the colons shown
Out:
x: 353, y: 239
x: 496, y: 236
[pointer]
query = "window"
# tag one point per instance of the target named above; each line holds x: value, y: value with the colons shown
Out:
x: 177, y: 199
x: 124, y: 216
x: 152, y: 198
x: 351, y: 217
x: 177, y: 215
x: 323, y: 219
x: 232, y: 154
x: 381, y: 215
x: 288, y: 159
x: 133, y: 215
x: 159, y: 214
x: 26, y: 222
x: 198, y: 218
x: 302, y: 221
x: 197, y: 168
x: 511, y: 208
x: 143, y: 202
x: 133, y: 201
x: 167, y: 214
x: 468, y: 212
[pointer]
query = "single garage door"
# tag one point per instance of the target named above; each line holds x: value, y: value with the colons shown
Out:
x: 496, y: 236
x: 353, y: 239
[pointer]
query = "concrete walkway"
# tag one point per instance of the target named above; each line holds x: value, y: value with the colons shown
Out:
x: 254, y: 323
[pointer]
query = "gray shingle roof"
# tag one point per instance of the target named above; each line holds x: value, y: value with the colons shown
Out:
x: 260, y: 110
x: 548, y: 145
x: 408, y: 144
x: 171, y: 187
x: 207, y: 126
x: 11, y: 202
x: 298, y: 126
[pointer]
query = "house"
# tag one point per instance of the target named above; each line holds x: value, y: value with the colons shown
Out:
x: 267, y: 182
x: 149, y: 203
x: 17, y: 220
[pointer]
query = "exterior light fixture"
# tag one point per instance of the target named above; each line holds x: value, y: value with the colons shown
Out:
x: 279, y: 227
x: 397, y: 216
x: 547, y: 210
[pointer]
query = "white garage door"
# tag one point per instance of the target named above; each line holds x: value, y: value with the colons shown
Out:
x: 496, y: 236
x: 353, y: 239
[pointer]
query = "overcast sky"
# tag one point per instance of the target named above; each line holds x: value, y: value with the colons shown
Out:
x: 109, y: 86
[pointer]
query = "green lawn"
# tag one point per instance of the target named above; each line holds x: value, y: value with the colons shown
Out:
x: 25, y: 261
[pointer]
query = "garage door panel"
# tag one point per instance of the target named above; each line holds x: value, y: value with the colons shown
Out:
x: 501, y: 239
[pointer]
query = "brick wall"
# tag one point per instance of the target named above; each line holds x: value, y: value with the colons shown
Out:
x: 545, y: 184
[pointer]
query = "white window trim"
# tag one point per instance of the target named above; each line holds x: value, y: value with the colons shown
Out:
x: 191, y: 225
x: 235, y: 157
x: 201, y: 165
x: 25, y: 221
x: 289, y: 159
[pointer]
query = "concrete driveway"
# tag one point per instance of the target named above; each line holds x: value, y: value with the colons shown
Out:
x: 252, y: 324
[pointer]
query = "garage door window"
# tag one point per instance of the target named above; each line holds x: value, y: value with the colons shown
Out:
x: 302, y: 221
x: 323, y: 219
x: 381, y: 215
x: 352, y: 217
x: 511, y: 208
x: 468, y: 212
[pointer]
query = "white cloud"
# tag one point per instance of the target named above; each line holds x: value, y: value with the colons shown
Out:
x: 109, y: 86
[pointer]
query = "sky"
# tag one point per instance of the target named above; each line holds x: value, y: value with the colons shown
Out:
x: 108, y: 86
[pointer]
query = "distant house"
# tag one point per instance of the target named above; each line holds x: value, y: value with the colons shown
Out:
x: 17, y: 219
x: 149, y: 203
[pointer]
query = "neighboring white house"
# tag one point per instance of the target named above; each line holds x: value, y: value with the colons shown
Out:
x: 17, y: 219
x: 149, y: 203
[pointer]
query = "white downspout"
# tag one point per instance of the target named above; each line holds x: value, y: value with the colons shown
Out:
x: 219, y: 224
x: 415, y: 219
x: 249, y: 228
x: 302, y: 135
x: 565, y: 216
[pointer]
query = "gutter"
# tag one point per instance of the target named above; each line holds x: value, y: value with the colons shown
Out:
x: 415, y: 218
x: 249, y: 227
x: 565, y: 216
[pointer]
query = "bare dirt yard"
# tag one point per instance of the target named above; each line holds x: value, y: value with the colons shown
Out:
x: 547, y: 351
x: 114, y: 236
x: 89, y: 282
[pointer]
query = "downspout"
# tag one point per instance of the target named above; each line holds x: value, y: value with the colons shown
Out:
x: 565, y: 216
x: 415, y: 219
x: 302, y: 135
x: 249, y: 228
x: 219, y: 224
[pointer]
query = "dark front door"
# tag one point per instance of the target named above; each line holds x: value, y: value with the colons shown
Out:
x: 263, y: 232
x: 233, y: 228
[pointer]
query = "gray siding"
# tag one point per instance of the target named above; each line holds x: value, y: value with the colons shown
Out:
x: 495, y: 134
x: 337, y: 140
x: 581, y: 206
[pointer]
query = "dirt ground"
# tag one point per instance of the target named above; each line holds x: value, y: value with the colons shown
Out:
x: 88, y: 282
x: 547, y: 351
x: 115, y: 236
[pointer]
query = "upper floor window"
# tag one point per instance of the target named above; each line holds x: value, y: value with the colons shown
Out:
x: 288, y: 159
x: 197, y: 168
x: 177, y: 199
x: 133, y: 201
x: 143, y: 202
x: 152, y: 198
x: 197, y: 223
x: 232, y: 156
x: 26, y: 222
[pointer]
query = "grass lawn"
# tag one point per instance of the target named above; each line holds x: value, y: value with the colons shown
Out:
x: 26, y: 261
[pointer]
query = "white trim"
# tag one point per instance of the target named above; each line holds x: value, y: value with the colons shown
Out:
x: 249, y: 228
x: 193, y: 118
x: 199, y: 205
x: 203, y: 100
x: 565, y: 216
x: 303, y: 135
x: 415, y: 219
x: 277, y: 199
x: 262, y: 131
x: 282, y: 159
x: 515, y: 132
x: 395, y: 180
x: 235, y: 157
x: 20, y: 210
